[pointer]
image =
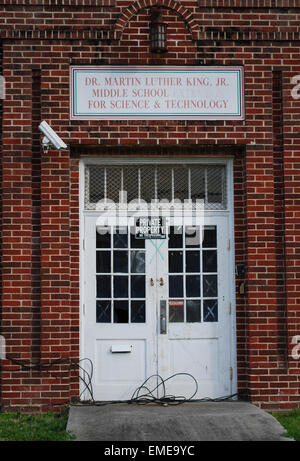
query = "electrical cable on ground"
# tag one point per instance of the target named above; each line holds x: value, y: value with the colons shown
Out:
x: 143, y: 395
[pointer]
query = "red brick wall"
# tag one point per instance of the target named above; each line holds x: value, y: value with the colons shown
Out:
x: 42, y: 39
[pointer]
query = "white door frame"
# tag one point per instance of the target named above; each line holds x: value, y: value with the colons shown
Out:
x: 228, y: 162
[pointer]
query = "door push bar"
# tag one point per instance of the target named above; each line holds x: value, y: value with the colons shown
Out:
x: 163, y: 317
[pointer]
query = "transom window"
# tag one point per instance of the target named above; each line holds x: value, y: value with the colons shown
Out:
x: 202, y: 186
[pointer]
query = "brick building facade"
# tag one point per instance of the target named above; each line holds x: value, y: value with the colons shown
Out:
x: 40, y: 194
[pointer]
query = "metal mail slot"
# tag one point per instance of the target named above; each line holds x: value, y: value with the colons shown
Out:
x: 121, y: 348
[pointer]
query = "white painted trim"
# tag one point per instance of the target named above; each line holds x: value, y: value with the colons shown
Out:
x: 228, y: 162
x: 231, y: 273
x: 122, y: 160
x: 81, y: 269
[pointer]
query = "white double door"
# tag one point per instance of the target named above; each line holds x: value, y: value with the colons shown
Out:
x: 158, y: 306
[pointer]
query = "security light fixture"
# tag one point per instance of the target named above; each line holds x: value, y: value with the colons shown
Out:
x: 158, y: 32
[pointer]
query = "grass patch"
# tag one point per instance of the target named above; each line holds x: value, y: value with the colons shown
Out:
x: 23, y: 427
x: 290, y: 420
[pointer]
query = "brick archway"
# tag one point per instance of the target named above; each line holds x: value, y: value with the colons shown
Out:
x: 135, y: 7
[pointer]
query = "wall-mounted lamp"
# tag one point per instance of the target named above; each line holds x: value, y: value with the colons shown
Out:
x: 158, y: 32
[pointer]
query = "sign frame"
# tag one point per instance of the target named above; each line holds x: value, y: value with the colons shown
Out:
x: 235, y: 72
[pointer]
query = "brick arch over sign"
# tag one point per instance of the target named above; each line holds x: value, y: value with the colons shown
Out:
x: 177, y: 7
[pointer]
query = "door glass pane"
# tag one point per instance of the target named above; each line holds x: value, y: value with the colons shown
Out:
x: 175, y: 237
x: 120, y: 261
x: 103, y: 311
x: 103, y: 261
x: 195, y: 278
x: 120, y: 311
x: 176, y: 313
x: 120, y: 237
x: 134, y: 242
x: 210, y: 310
x: 121, y: 286
x: 103, y: 286
x: 138, y: 286
x: 103, y: 237
x: 209, y: 237
x: 119, y: 278
x: 193, y: 310
x: 175, y: 286
x: 192, y: 286
x: 137, y: 261
x: 138, y: 312
x: 210, y: 286
x: 210, y: 261
x: 192, y: 236
x: 192, y: 261
x: 175, y: 261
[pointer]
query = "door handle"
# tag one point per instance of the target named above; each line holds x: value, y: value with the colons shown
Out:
x: 152, y: 282
x: 161, y: 281
x: 163, y: 317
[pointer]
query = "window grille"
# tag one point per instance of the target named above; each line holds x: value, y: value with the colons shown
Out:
x: 204, y: 186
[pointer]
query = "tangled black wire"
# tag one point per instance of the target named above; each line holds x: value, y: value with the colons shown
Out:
x: 165, y: 399
x: 85, y: 377
x: 142, y: 395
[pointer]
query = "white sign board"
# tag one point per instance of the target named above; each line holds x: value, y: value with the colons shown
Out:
x: 156, y: 93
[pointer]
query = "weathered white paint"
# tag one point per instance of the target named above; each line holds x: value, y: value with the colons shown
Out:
x: 207, y: 351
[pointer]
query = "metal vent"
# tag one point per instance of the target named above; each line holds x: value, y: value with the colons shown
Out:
x: 203, y: 185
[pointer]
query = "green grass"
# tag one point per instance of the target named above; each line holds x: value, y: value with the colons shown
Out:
x: 24, y: 427
x: 290, y: 421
